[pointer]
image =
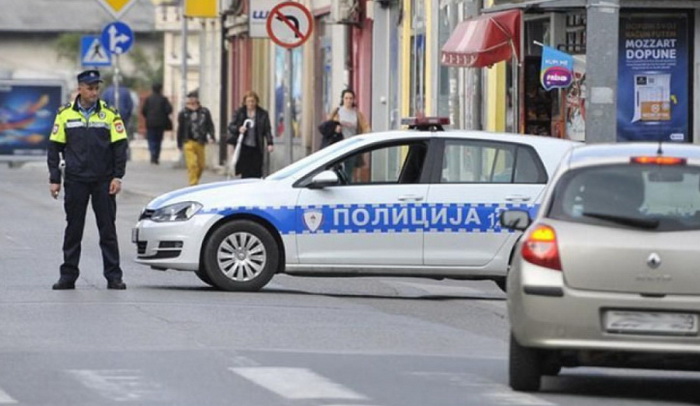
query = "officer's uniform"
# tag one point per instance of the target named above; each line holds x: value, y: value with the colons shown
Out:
x: 95, y: 152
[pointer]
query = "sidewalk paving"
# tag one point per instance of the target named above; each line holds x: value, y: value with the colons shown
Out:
x: 149, y: 180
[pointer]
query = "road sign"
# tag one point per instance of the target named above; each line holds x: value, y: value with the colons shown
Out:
x: 92, y: 53
x: 117, y: 37
x: 289, y: 24
x: 116, y: 7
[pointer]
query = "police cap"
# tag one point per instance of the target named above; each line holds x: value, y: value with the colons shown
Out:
x: 89, y: 76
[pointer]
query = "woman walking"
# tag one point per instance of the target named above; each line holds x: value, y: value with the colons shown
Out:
x: 250, y: 123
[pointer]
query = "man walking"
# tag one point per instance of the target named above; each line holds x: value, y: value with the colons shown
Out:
x: 91, y: 136
x: 194, y: 128
x: 156, y: 110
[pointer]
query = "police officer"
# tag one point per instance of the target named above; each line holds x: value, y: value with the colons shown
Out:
x: 92, y: 139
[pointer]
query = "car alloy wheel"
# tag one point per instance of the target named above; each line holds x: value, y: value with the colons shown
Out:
x: 241, y: 255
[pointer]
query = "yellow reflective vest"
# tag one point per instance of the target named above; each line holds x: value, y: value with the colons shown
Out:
x: 93, y: 148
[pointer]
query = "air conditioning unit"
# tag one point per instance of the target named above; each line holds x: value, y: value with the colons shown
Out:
x: 342, y: 11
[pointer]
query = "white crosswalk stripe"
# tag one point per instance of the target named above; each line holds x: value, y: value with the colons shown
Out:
x: 121, y: 385
x: 296, y: 383
x: 6, y: 399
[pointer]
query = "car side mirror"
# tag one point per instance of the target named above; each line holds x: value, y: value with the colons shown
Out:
x: 515, y: 219
x: 324, y: 179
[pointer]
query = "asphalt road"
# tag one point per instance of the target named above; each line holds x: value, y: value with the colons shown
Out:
x: 171, y: 340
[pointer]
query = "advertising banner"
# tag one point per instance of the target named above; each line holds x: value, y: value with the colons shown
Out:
x: 557, y: 68
x: 653, y: 81
x: 27, y: 112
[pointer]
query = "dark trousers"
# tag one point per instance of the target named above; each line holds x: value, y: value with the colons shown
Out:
x: 155, y: 139
x: 104, y: 206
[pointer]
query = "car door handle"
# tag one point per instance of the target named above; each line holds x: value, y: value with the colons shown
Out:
x: 518, y: 198
x: 412, y: 198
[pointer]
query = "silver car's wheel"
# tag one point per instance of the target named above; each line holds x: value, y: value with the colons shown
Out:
x: 525, y: 367
x: 241, y: 255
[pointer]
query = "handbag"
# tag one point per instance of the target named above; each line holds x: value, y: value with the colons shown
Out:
x: 168, y: 124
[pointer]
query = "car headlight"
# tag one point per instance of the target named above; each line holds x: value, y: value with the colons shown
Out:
x: 182, y: 211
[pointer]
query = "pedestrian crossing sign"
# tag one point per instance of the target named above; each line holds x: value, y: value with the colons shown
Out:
x: 93, y: 53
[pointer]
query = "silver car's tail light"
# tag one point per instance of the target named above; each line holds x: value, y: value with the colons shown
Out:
x: 541, y: 248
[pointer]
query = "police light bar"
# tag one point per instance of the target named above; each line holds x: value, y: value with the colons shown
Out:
x: 426, y: 123
x: 657, y: 160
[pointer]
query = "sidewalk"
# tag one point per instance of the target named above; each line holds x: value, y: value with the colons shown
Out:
x: 149, y: 180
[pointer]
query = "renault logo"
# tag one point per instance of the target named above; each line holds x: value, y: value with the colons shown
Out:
x: 654, y: 260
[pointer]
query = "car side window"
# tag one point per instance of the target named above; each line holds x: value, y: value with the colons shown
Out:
x: 528, y: 167
x: 490, y: 162
x: 396, y: 163
x: 477, y: 162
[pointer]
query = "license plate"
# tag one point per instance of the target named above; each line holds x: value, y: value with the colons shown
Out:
x: 636, y: 322
x: 134, y: 235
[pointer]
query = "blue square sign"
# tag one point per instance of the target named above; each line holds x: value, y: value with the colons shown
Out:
x: 93, y: 53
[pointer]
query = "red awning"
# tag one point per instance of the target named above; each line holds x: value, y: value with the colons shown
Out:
x: 484, y: 40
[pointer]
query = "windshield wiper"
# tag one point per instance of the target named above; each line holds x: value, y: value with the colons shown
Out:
x: 627, y: 221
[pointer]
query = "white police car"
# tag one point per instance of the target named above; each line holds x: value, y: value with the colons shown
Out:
x: 400, y: 203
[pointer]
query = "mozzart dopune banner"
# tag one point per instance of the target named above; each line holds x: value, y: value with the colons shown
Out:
x: 653, y: 82
x: 557, y: 69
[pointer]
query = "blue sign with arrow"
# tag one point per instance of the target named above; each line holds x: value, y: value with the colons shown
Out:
x: 93, y: 53
x: 117, y: 37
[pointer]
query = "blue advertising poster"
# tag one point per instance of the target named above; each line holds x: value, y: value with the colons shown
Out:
x: 557, y: 69
x: 27, y: 112
x: 653, y: 82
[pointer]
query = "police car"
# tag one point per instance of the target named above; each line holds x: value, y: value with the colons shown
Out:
x: 419, y: 202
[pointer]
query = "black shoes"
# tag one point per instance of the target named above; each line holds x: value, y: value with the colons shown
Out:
x: 64, y: 285
x: 117, y: 284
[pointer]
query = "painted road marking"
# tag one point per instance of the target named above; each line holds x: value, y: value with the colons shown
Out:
x: 120, y: 385
x: 296, y: 383
x: 6, y: 399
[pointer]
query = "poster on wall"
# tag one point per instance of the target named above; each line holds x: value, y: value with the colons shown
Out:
x: 575, y: 102
x: 280, y: 72
x: 27, y: 112
x: 653, y: 82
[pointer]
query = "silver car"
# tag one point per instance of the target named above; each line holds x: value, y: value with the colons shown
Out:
x: 608, y: 273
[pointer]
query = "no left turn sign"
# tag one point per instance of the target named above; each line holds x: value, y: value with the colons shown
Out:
x: 289, y: 24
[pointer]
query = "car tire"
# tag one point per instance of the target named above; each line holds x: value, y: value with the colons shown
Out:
x: 525, y: 367
x: 204, y: 277
x: 241, y: 256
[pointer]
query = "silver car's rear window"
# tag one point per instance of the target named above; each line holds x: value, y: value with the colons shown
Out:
x: 651, y: 197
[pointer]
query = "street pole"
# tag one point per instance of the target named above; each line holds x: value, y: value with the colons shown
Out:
x: 288, y: 132
x: 602, y: 35
x: 473, y: 79
x: 183, y: 88
x: 116, y: 82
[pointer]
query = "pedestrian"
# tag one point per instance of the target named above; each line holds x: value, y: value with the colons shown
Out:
x: 156, y: 110
x: 353, y: 122
x: 126, y: 104
x: 252, y: 123
x: 92, y: 139
x: 194, y: 128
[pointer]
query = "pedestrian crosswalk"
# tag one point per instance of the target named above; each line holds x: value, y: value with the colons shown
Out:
x: 284, y: 383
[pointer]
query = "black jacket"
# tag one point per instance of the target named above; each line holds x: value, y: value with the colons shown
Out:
x: 156, y: 109
x: 262, y: 127
x: 189, y: 128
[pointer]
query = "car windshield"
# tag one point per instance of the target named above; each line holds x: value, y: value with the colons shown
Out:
x: 649, y: 197
x: 313, y: 159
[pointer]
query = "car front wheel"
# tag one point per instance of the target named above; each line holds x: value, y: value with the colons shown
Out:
x: 525, y: 367
x: 241, y: 256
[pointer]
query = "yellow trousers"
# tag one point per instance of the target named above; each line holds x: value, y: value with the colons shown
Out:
x: 194, y: 160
